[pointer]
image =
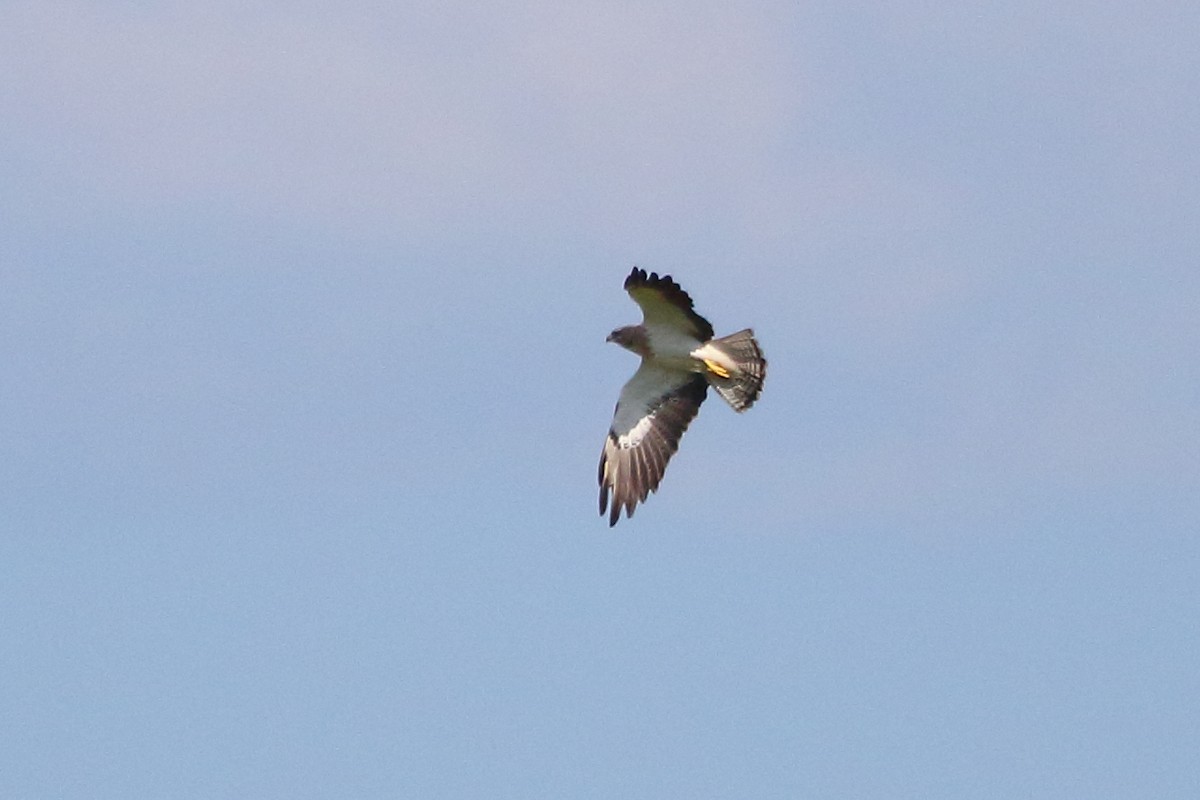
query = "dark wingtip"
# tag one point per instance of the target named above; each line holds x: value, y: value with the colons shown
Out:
x: 637, y: 276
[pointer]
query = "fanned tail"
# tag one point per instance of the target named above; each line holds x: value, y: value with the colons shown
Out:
x: 743, y: 384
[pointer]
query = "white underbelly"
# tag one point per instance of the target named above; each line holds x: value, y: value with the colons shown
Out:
x: 674, y: 350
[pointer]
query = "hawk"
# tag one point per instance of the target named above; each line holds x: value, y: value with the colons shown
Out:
x: 680, y: 360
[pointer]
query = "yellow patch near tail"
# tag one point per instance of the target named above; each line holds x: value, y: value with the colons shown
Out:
x: 716, y: 368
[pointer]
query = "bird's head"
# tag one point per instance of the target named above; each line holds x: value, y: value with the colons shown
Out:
x: 632, y: 337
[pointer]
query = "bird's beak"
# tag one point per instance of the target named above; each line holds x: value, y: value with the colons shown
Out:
x: 608, y: 338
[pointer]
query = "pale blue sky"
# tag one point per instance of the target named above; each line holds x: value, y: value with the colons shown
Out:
x: 302, y: 333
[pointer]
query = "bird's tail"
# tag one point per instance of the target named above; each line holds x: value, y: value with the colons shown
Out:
x: 738, y: 376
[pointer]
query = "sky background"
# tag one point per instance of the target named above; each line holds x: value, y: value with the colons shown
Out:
x: 302, y: 319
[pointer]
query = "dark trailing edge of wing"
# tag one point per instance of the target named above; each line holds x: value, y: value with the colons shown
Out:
x: 641, y: 468
x: 673, y: 292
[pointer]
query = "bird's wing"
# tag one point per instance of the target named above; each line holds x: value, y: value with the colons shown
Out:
x: 655, y: 408
x: 663, y: 302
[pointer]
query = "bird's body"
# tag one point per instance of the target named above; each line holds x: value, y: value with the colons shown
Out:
x: 680, y: 360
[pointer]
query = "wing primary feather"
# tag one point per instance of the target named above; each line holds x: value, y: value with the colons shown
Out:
x: 603, y: 483
x: 656, y: 294
x: 643, y: 473
x: 636, y: 476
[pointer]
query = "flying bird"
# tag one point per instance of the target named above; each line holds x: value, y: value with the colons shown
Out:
x: 680, y: 360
